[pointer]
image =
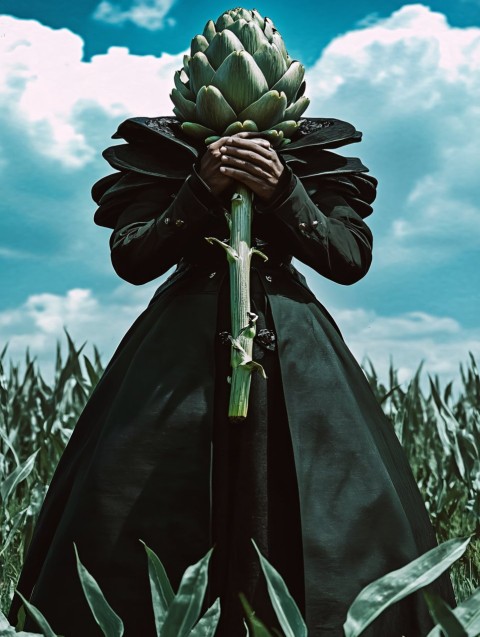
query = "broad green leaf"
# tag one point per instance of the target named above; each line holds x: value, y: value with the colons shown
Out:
x: 249, y: 84
x: 105, y: 616
x: 201, y: 72
x: 286, y: 610
x: 255, y: 627
x: 207, y: 625
x: 251, y: 36
x: 291, y: 81
x: 266, y: 111
x: 394, y: 586
x: 221, y: 46
x: 468, y: 613
x: 271, y: 62
x: 186, y: 107
x: 18, y: 475
x: 38, y: 617
x: 185, y: 608
x: 443, y: 614
x: 4, y: 623
x: 197, y: 130
x: 296, y: 110
x: 213, y: 110
x: 199, y: 43
x: 209, y: 31
x: 181, y: 86
x: 160, y: 587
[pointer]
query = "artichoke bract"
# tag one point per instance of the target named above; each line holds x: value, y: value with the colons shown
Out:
x: 239, y: 77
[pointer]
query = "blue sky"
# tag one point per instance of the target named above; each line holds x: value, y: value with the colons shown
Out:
x: 407, y: 75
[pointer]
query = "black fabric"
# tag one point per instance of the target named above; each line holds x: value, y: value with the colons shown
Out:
x: 315, y: 475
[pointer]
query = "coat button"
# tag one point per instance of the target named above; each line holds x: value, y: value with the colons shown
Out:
x: 179, y: 223
x: 211, y: 275
x: 268, y: 277
x: 166, y: 221
x: 314, y: 224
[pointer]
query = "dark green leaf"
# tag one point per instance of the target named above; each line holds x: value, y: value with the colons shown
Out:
x: 185, y: 609
x: 160, y: 587
x: 394, y: 586
x: 286, y: 610
x: 105, y: 616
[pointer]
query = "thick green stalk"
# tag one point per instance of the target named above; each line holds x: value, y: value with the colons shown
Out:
x: 243, y: 327
x: 239, y: 254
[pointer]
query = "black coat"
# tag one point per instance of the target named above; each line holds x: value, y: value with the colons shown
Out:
x: 316, y: 474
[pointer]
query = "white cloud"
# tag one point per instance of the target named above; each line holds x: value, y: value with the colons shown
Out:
x: 412, y: 83
x: 407, y: 339
x: 47, y: 89
x: 147, y: 14
x: 103, y: 320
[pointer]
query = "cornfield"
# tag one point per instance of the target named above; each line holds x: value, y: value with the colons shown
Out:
x: 439, y: 430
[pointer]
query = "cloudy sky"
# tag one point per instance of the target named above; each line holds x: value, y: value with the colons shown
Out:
x: 407, y: 75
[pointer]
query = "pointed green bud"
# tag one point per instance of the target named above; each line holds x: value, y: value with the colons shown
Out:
x: 278, y: 40
x: 223, y: 22
x: 258, y: 19
x: 237, y: 27
x: 199, y: 43
x: 209, y: 31
x: 291, y: 81
x: 297, y: 109
x: 197, y: 131
x: 245, y: 14
x: 251, y: 36
x: 211, y: 139
x: 249, y: 84
x: 266, y: 111
x: 181, y: 86
x: 240, y: 127
x: 213, y: 110
x: 288, y: 128
x: 268, y: 29
x: 301, y: 90
x: 186, y: 107
x: 186, y: 65
x: 221, y: 46
x: 201, y: 72
x: 271, y: 62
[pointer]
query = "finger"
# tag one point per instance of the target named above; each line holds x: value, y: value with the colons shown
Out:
x: 246, y: 166
x: 255, y: 143
x: 258, y: 185
x: 252, y: 153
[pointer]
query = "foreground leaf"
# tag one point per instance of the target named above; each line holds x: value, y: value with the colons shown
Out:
x: 160, y: 587
x: 394, y: 586
x: 255, y: 627
x: 468, y: 613
x: 207, y: 625
x: 444, y: 615
x: 185, y: 608
x: 38, y: 617
x: 286, y: 610
x: 105, y: 616
x: 18, y: 475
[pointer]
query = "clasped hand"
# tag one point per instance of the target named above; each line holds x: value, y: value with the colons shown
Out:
x: 241, y: 158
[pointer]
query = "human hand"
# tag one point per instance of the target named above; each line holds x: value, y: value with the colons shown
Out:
x: 251, y: 161
x: 244, y: 158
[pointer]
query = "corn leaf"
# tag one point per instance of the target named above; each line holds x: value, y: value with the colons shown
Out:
x: 394, y: 586
x: 444, y: 615
x: 468, y: 613
x: 286, y: 610
x: 207, y: 625
x: 160, y: 587
x: 185, y: 609
x: 105, y: 616
x: 18, y: 475
x: 38, y: 617
x: 255, y: 627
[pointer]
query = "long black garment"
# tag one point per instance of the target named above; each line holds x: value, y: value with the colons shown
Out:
x: 315, y: 474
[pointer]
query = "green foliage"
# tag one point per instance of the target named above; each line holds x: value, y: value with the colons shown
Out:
x: 394, y: 586
x: 439, y: 429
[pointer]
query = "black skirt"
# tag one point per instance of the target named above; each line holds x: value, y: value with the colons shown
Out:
x: 119, y: 481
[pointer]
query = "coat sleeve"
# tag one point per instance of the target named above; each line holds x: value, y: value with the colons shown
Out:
x: 324, y: 231
x: 155, y: 228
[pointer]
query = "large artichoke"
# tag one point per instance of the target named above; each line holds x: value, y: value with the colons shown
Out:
x: 239, y: 77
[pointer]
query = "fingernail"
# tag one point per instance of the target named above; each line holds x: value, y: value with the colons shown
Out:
x: 223, y: 149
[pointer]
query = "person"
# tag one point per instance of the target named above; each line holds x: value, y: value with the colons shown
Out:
x: 315, y: 474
